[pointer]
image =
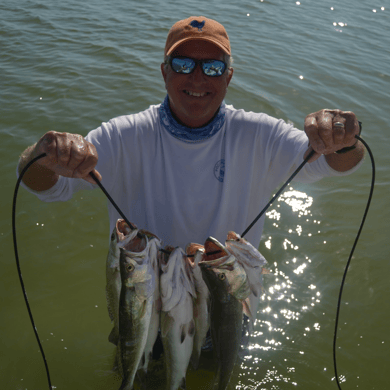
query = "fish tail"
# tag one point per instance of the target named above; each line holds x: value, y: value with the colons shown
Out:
x: 113, y: 337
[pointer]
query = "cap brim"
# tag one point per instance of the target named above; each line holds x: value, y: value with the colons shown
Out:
x: 173, y: 47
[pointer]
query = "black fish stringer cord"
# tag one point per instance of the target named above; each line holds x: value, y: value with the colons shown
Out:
x: 132, y: 227
x: 278, y: 193
x: 350, y: 256
x: 18, y: 263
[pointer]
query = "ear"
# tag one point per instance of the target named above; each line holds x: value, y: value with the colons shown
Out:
x: 229, y: 76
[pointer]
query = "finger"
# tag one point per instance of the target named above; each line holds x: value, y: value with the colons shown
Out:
x: 48, y: 145
x: 88, y: 162
x: 325, y: 130
x: 89, y: 178
x: 338, y: 131
x: 345, y: 136
x: 318, y: 127
x: 79, y: 152
x: 63, y: 150
x: 314, y: 157
x: 351, y: 128
x: 333, y: 112
x: 311, y: 130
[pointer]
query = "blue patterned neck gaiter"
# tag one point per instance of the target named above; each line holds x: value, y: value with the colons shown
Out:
x: 188, y: 134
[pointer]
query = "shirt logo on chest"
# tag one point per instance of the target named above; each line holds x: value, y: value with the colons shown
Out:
x: 219, y: 170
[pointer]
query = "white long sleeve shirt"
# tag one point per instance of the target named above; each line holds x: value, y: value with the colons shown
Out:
x: 186, y: 191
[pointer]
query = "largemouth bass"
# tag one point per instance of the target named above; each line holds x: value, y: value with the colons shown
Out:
x: 253, y: 262
x: 201, y: 301
x: 228, y: 285
x: 177, y: 323
x: 135, y: 303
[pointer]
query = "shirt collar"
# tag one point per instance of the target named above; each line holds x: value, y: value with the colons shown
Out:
x: 188, y: 134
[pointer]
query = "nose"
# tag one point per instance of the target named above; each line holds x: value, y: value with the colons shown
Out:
x: 197, y: 75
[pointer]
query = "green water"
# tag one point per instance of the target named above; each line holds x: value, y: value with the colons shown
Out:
x: 70, y: 65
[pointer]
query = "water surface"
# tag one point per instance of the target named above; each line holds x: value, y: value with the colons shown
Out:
x: 68, y: 66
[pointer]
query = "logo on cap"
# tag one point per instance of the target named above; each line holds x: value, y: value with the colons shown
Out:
x: 197, y: 24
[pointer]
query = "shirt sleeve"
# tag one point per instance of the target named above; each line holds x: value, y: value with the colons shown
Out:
x: 289, y: 147
x: 62, y: 191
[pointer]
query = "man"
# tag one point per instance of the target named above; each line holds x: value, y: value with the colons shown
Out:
x: 192, y: 166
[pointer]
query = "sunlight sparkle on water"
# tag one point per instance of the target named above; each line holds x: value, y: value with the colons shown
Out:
x: 299, y: 201
x: 289, y: 294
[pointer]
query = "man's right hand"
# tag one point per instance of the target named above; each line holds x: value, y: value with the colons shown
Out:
x: 68, y: 155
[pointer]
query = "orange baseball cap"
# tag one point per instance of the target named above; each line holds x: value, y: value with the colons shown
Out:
x: 197, y: 28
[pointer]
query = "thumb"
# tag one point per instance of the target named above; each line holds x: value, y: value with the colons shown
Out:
x: 315, y: 156
x: 90, y: 179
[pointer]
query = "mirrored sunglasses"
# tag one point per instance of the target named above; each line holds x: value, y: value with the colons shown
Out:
x: 186, y: 65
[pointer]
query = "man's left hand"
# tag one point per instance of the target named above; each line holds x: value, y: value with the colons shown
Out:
x: 330, y: 130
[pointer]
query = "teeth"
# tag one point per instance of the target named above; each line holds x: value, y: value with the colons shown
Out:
x: 197, y: 94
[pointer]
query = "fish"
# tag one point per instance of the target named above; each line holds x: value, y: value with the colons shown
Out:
x: 201, y: 302
x: 177, y: 323
x: 254, y: 264
x: 135, y: 302
x: 121, y: 233
x: 154, y: 255
x: 229, y: 287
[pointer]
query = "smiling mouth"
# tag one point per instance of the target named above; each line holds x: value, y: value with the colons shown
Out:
x: 197, y: 94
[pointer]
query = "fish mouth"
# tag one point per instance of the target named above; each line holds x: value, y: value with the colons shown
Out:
x: 191, y: 250
x: 137, y: 244
x: 133, y: 240
x: 233, y: 236
x: 214, y: 250
x: 165, y: 253
x: 122, y: 229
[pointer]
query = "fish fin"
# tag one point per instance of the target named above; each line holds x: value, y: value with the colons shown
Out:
x: 195, y: 360
x: 166, y: 324
x: 113, y: 337
x: 141, y: 376
x: 109, y: 308
x: 143, y: 308
x: 247, y: 330
x: 191, y: 328
x: 246, y: 309
x: 183, y: 333
x: 265, y: 271
x: 187, y: 329
x: 145, y: 290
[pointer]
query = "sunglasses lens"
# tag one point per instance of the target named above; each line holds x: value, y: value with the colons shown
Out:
x: 213, y: 68
x: 183, y: 65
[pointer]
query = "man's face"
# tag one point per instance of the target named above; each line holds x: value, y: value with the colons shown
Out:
x: 196, y: 111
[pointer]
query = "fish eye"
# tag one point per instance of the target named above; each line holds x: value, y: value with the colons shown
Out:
x: 221, y: 276
x: 130, y: 267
